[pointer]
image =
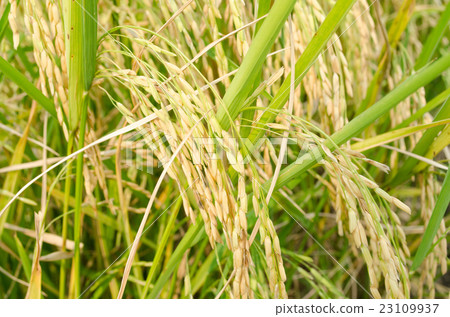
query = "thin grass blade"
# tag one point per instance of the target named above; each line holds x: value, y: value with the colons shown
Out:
x: 434, y: 223
x: 434, y: 39
x: 185, y: 243
x: 20, y: 80
x: 304, y: 63
x: 421, y: 148
x: 358, y: 124
x: 242, y: 84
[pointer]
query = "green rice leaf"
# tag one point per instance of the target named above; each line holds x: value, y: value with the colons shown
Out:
x: 177, y: 256
x: 358, y: 124
x: 434, y: 39
x: 434, y: 223
x: 20, y: 80
x: 422, y: 147
x: 304, y: 63
x: 242, y: 84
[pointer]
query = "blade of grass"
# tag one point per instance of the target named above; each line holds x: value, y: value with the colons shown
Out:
x: 248, y: 115
x: 20, y: 80
x: 303, y: 64
x: 394, y: 135
x: 82, y: 33
x: 11, y: 179
x: 24, y: 258
x: 358, y: 124
x: 442, y: 140
x: 421, y: 148
x: 434, y: 39
x: 75, y: 60
x: 4, y: 20
x: 162, y: 246
x: 208, y: 265
x: 67, y: 189
x: 288, y: 205
x: 434, y: 223
x: 89, y: 41
x: 193, y: 232
x: 433, y: 103
x: 242, y: 84
x: 35, y: 287
x: 79, y: 181
x: 82, y: 50
x: 395, y: 31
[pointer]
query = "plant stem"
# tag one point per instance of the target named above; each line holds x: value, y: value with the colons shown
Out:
x: 75, y: 61
x: 67, y: 187
x: 81, y: 52
x: 78, y: 199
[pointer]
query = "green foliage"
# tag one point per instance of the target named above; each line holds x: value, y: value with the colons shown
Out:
x: 122, y: 85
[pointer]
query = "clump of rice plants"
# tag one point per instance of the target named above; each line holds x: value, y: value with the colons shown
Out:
x: 224, y: 149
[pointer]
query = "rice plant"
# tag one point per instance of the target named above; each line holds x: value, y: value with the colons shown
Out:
x: 224, y: 149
